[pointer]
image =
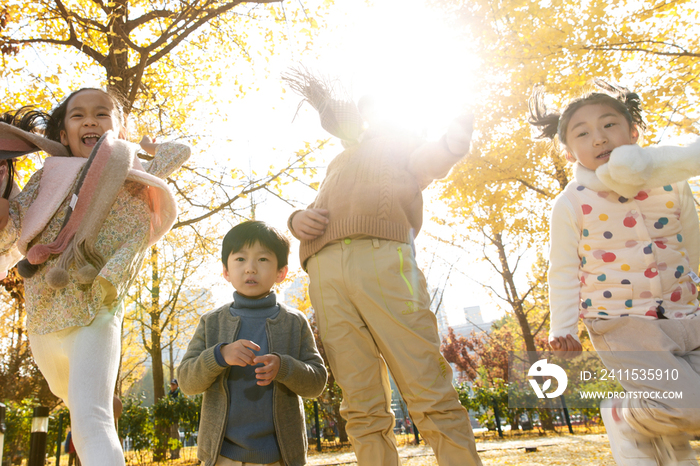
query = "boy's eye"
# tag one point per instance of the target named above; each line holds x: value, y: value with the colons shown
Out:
x: 264, y: 259
x: 238, y: 259
x: 609, y: 125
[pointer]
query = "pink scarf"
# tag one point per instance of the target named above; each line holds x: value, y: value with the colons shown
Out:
x: 112, y: 162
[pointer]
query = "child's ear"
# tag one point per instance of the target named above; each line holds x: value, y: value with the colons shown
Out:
x: 64, y: 138
x: 570, y: 157
x: 634, y: 133
x: 282, y: 274
x: 224, y: 273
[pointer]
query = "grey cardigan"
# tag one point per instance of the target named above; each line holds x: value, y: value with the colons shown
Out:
x: 301, y: 373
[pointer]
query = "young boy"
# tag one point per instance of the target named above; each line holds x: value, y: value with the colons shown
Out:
x: 371, y: 301
x: 253, y: 358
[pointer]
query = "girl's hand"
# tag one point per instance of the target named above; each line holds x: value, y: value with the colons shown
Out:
x: 148, y: 145
x: 566, y: 347
x: 239, y: 353
x: 4, y: 212
x: 267, y: 373
x: 310, y: 223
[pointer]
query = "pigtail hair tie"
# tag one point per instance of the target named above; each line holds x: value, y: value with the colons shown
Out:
x: 630, y: 99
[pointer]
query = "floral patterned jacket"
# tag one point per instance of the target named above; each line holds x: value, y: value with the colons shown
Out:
x: 122, y: 240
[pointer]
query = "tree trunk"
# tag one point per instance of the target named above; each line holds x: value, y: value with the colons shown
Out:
x: 340, y: 424
x: 514, y: 298
x: 117, y: 65
x: 156, y: 337
x: 516, y: 302
x: 171, y: 361
x: 159, y: 453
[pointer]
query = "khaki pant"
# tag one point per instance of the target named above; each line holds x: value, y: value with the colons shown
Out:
x: 625, y: 343
x: 373, y: 310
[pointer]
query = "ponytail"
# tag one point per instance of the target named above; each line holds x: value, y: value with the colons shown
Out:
x: 547, y: 122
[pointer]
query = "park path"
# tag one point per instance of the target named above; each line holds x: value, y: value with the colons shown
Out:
x: 580, y: 449
x: 413, y: 451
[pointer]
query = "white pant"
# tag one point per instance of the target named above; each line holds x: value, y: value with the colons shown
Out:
x: 631, y: 343
x: 80, y: 364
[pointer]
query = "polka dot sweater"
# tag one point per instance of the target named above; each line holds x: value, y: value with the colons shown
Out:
x: 612, y: 256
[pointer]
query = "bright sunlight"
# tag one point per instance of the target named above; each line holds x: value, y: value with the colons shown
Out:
x: 410, y: 57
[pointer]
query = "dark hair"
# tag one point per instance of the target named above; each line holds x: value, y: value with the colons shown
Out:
x: 27, y: 119
x: 56, y: 121
x: 251, y: 232
x: 552, y: 123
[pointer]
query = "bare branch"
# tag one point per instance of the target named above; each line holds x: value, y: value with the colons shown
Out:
x: 637, y: 46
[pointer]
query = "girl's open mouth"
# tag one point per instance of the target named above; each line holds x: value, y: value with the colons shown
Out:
x: 90, y: 139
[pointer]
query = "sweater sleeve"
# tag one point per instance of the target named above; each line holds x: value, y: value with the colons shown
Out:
x: 431, y: 161
x: 564, y: 286
x: 690, y: 225
x: 198, y: 369
x: 307, y: 375
x: 434, y: 160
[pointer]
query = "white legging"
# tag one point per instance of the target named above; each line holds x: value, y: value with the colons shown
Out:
x: 80, y: 364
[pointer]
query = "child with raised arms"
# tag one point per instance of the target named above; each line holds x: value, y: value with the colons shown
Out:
x: 253, y: 359
x: 85, y: 221
x: 370, y: 298
x: 626, y: 264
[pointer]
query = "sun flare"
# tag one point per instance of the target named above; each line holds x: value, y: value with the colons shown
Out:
x: 418, y: 64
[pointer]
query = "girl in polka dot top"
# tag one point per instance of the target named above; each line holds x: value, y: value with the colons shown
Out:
x: 625, y: 261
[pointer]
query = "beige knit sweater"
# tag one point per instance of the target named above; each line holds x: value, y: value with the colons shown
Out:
x: 374, y: 189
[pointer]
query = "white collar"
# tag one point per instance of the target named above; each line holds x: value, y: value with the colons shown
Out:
x: 588, y: 178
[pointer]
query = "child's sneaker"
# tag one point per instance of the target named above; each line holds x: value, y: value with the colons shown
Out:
x: 629, y: 447
x: 674, y: 450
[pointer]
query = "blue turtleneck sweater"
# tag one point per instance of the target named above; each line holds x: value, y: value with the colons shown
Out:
x: 250, y: 430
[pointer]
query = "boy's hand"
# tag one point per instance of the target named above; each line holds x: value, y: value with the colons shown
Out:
x: 271, y: 366
x: 310, y: 223
x: 566, y: 347
x: 148, y: 145
x: 4, y: 212
x: 239, y: 353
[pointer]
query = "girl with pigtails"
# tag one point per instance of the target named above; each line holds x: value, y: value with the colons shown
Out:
x: 624, y: 254
x: 84, y: 221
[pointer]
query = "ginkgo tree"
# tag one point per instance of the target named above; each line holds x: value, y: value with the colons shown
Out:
x: 165, y: 302
x: 501, y: 195
x: 166, y: 59
x: 152, y: 53
x: 173, y: 63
